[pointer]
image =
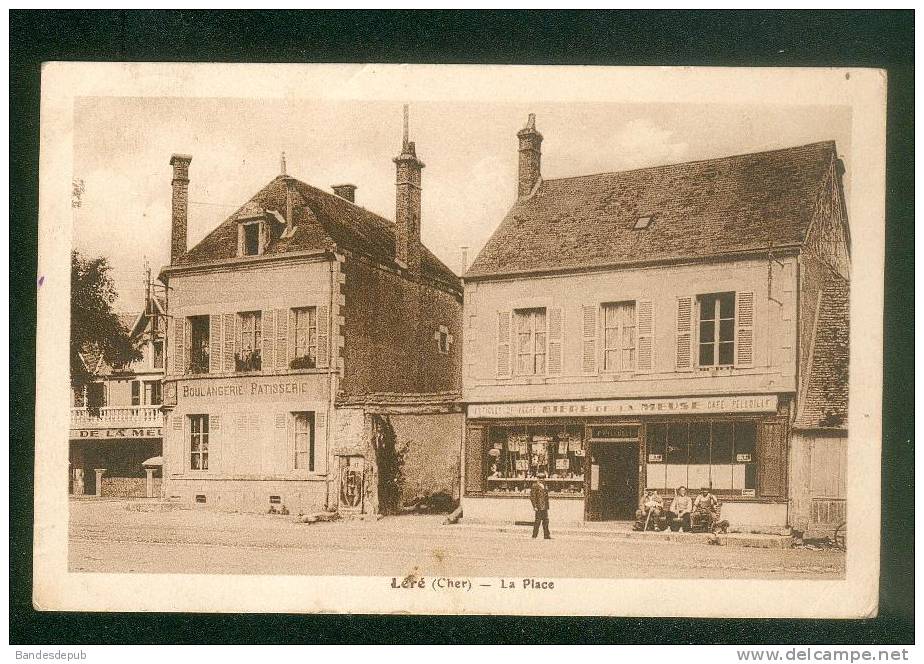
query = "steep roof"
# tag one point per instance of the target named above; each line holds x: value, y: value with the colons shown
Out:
x: 323, y: 221
x: 698, y: 209
x: 824, y: 405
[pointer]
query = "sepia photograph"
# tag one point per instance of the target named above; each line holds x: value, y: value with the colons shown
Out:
x: 467, y: 338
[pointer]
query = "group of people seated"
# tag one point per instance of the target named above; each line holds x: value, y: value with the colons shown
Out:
x: 686, y: 514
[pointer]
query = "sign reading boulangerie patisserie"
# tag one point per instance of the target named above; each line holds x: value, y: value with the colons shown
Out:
x: 733, y: 404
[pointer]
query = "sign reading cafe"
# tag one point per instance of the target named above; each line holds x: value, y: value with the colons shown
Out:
x: 756, y: 403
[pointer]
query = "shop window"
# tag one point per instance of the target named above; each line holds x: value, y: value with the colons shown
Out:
x: 247, y: 357
x: 306, y: 338
x: 303, y: 430
x: 198, y: 344
x: 619, y: 336
x: 531, y: 341
x: 198, y: 442
x: 516, y: 454
x: 718, y: 454
x: 158, y: 353
x: 716, y: 329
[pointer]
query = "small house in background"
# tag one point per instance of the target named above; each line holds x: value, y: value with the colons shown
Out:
x: 314, y: 354
x: 116, y: 422
x: 682, y: 325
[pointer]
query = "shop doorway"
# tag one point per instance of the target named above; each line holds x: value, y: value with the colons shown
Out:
x: 613, y: 481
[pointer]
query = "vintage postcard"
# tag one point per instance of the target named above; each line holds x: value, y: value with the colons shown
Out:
x: 460, y: 339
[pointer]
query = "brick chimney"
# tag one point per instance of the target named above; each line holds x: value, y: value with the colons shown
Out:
x: 407, y: 204
x: 180, y: 205
x: 530, y: 157
x: 345, y: 191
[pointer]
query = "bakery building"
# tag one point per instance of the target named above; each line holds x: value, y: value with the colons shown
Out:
x: 314, y: 350
x: 654, y: 329
x: 116, y: 432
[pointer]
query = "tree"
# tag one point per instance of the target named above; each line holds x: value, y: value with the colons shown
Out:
x: 95, y: 328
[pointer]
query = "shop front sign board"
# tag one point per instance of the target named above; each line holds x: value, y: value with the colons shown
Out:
x: 748, y: 403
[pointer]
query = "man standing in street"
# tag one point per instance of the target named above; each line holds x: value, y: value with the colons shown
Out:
x: 539, y: 497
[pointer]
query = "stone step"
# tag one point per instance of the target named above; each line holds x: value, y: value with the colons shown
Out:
x: 757, y: 540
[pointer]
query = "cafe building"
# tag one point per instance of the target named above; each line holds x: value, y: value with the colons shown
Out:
x: 309, y: 338
x: 116, y: 432
x: 653, y: 329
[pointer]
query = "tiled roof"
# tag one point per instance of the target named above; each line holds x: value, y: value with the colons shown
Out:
x: 323, y: 221
x: 697, y: 209
x: 824, y: 405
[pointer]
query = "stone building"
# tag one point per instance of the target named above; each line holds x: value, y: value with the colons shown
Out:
x: 315, y: 352
x: 666, y: 326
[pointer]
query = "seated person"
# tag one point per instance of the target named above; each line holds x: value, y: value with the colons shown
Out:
x: 680, y: 510
x: 705, y: 512
x: 650, y: 511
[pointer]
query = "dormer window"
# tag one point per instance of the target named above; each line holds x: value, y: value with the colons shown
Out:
x: 251, y: 238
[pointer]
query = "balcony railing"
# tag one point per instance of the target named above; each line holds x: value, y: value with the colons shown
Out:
x: 116, y: 416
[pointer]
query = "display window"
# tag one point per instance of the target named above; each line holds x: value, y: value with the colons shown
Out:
x: 720, y: 454
x: 517, y: 454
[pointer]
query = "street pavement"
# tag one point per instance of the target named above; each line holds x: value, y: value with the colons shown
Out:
x: 120, y: 536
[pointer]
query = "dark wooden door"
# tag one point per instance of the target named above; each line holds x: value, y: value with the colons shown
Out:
x: 612, y: 488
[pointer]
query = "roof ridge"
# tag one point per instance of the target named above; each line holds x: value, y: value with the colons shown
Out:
x: 830, y: 141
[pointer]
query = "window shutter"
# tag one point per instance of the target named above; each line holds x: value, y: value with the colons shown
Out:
x: 744, y: 336
x: 320, y: 442
x: 187, y: 345
x: 179, y: 340
x: 645, y: 322
x: 240, y: 239
x: 503, y: 344
x: 290, y: 337
x: 771, y: 459
x: 214, y: 442
x: 268, y: 334
x: 215, y: 343
x: 282, y: 339
x: 589, y: 339
x: 323, y: 337
x: 685, y: 333
x: 474, y: 460
x: 555, y: 334
x: 238, y: 335
x: 228, y: 350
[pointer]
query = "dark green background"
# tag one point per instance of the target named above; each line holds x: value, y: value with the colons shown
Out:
x: 766, y: 38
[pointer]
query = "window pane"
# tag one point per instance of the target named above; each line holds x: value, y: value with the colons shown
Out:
x: 205, y: 461
x: 656, y: 439
x: 727, y: 353
x: 706, y: 354
x: 540, y: 363
x: 707, y: 307
x: 727, y: 330
x: 727, y: 305
x: 677, y: 443
x: 707, y: 331
x: 699, y: 442
x: 722, y: 434
x: 745, y: 438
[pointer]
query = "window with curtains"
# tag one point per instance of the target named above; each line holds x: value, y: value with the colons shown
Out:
x: 250, y: 342
x: 198, y: 442
x: 303, y: 430
x: 718, y: 454
x: 619, y: 336
x: 306, y: 338
x: 530, y: 330
x: 716, y: 329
